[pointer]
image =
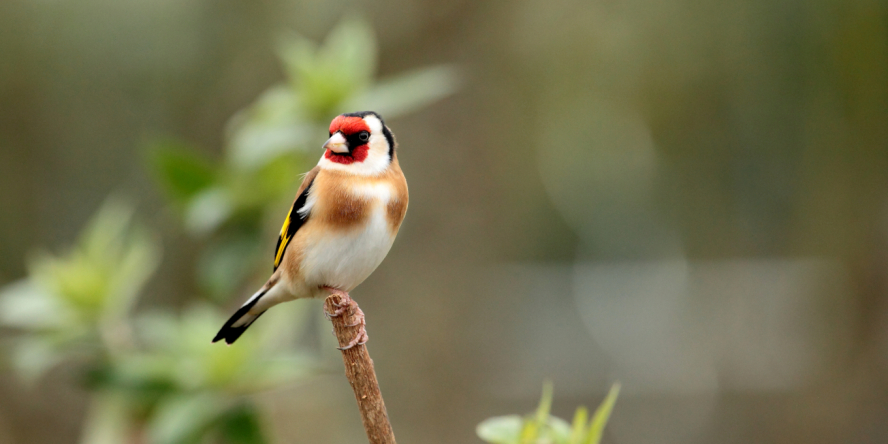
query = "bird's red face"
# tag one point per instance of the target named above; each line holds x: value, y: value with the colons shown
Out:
x: 360, y: 144
x: 348, y: 143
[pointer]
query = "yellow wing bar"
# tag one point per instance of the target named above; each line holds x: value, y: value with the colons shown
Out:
x: 285, y: 239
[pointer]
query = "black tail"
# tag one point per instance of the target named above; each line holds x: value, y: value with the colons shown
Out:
x: 230, y: 333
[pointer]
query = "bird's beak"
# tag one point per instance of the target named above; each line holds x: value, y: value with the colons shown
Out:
x: 337, y: 144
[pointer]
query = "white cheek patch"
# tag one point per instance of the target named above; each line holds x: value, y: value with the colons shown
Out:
x: 374, y: 123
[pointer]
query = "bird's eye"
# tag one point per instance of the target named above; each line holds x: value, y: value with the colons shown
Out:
x: 364, y: 136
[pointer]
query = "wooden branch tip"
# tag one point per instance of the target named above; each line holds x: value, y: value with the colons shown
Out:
x: 359, y: 368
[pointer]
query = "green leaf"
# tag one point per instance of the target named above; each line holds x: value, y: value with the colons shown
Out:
x: 257, y: 143
x: 225, y: 263
x: 408, y: 92
x: 78, y: 281
x: 557, y: 430
x: 278, y: 104
x: 103, y: 236
x: 272, y: 126
x: 181, y: 170
x: 241, y: 425
x: 542, y: 412
x: 275, y: 183
x: 24, y: 305
x: 298, y: 56
x: 578, y: 429
x: 182, y: 345
x: 351, y: 47
x: 100, y: 278
x: 343, y: 66
x: 185, y: 418
x: 115, y: 259
x: 209, y: 209
x: 131, y: 270
x: 535, y: 427
x: 501, y: 429
x: 602, y: 414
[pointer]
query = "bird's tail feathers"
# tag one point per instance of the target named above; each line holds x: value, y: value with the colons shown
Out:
x: 241, y: 319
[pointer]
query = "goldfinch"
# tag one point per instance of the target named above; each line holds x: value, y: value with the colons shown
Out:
x: 342, y: 224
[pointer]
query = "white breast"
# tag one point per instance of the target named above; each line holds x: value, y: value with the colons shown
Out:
x: 344, y: 260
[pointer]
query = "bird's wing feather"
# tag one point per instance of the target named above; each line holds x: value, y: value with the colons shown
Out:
x: 295, y: 219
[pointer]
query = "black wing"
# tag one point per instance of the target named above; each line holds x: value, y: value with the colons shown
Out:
x: 293, y: 222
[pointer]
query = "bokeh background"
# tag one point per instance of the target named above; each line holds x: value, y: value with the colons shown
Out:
x: 688, y: 197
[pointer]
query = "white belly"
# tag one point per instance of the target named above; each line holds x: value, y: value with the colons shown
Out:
x: 344, y: 260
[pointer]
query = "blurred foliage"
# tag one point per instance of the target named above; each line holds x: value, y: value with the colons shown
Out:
x: 542, y: 428
x: 154, y: 368
x: 155, y: 376
x: 78, y: 303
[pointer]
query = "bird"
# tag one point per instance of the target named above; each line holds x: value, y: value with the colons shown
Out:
x: 342, y: 224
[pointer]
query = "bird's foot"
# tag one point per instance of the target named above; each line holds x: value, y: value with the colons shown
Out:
x: 344, y: 302
x: 356, y: 316
x: 358, y: 321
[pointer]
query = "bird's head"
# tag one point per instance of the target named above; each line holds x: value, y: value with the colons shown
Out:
x: 359, y: 143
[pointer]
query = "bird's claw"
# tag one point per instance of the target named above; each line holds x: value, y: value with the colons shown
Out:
x: 344, y: 302
x: 342, y: 308
x: 359, y: 339
x: 336, y: 313
x: 361, y: 336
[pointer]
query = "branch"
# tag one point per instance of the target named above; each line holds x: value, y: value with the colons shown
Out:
x: 359, y: 370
